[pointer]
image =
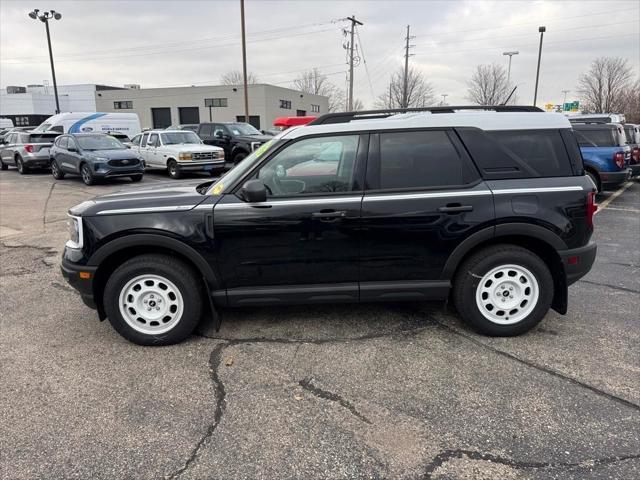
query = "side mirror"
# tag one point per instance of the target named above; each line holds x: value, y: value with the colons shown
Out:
x: 254, y: 191
x: 219, y: 134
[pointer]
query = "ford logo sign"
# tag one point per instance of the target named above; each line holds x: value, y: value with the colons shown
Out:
x: 87, y: 129
x: 125, y: 162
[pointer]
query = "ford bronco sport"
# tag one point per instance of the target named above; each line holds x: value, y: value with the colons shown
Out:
x: 489, y: 207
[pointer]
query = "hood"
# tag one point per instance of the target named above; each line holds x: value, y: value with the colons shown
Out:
x: 192, y: 148
x: 163, y: 197
x: 254, y: 138
x: 112, y: 154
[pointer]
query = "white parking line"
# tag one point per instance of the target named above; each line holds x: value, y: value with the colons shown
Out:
x: 615, y: 195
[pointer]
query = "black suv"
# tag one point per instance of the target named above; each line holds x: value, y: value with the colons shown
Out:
x: 489, y: 208
x: 237, y: 139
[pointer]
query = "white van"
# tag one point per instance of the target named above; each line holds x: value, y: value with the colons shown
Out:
x: 5, y: 123
x: 92, y: 122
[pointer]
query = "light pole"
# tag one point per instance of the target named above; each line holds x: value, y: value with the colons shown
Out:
x: 44, y: 17
x: 564, y: 101
x: 511, y: 54
x: 535, y: 93
x: 444, y: 98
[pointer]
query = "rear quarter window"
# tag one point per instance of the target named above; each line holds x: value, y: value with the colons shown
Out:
x: 502, y: 154
x: 602, y: 137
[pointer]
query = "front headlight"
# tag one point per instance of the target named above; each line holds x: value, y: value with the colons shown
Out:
x: 74, y: 225
x: 184, y: 156
x: 101, y: 159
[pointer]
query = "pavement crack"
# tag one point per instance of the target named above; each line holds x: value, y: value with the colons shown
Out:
x: 46, y: 204
x: 546, y: 370
x: 220, y: 395
x: 614, y: 287
x: 307, y: 384
x: 446, y: 455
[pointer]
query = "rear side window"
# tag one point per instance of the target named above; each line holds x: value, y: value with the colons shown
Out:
x: 503, y: 154
x: 419, y: 159
x: 602, y: 137
x: 42, y: 137
x: 206, y: 130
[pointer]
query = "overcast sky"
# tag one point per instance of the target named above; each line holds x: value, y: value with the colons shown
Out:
x: 172, y: 43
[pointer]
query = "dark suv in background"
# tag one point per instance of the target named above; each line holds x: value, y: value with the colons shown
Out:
x: 237, y: 139
x: 491, y: 209
x: 94, y: 156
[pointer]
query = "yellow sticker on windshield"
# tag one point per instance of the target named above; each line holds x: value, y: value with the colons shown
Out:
x: 262, y: 148
x: 217, y: 189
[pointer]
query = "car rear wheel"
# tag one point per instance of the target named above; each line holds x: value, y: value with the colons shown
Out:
x: 153, y: 300
x: 87, y: 175
x: 172, y: 168
x: 3, y: 166
x: 22, y: 168
x: 503, y: 290
x: 596, y: 181
x: 56, y: 171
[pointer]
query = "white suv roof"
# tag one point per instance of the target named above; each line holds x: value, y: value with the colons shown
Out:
x: 485, y: 120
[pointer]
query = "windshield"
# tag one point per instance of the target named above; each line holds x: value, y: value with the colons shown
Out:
x: 99, y: 142
x: 175, y: 138
x: 43, y: 127
x: 242, y: 129
x: 240, y: 169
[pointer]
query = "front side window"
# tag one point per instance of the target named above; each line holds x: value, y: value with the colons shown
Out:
x: 206, y: 130
x: 143, y: 141
x: 419, y: 160
x: 153, y: 140
x: 312, y: 166
x: 177, y: 138
x: 62, y: 143
x: 243, y: 129
x: 136, y: 140
x: 99, y: 142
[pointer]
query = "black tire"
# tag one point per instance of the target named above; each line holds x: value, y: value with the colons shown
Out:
x: 3, y: 166
x: 595, y: 179
x: 181, y: 275
x: 471, y: 273
x: 22, y: 168
x: 172, y: 169
x: 87, y: 174
x: 239, y: 157
x: 56, y: 171
x: 136, y: 178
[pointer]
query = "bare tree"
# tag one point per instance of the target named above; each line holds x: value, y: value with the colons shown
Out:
x: 317, y: 83
x: 358, y: 105
x: 603, y: 88
x: 419, y: 91
x: 488, y: 85
x: 631, y: 102
x: 235, y: 77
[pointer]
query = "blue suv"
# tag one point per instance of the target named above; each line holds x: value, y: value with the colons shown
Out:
x: 605, y: 153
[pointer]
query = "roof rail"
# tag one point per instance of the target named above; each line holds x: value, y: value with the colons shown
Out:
x: 589, y: 120
x: 346, y: 117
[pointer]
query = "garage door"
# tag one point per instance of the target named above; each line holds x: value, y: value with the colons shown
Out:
x: 189, y: 115
x: 161, y: 117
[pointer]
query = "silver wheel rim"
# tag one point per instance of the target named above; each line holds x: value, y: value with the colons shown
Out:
x: 85, y: 174
x: 151, y: 304
x: 54, y: 168
x: 19, y: 165
x: 507, y: 294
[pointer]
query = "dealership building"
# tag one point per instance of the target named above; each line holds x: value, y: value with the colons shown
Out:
x: 162, y: 107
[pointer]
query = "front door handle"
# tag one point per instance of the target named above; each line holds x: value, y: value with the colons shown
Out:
x: 329, y: 216
x: 455, y: 208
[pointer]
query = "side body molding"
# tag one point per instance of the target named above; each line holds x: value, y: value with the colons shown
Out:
x: 144, y: 239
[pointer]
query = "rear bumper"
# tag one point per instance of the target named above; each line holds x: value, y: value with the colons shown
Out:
x: 635, y: 169
x: 36, y: 161
x: 201, y: 166
x: 84, y: 286
x: 614, y: 179
x: 577, y: 262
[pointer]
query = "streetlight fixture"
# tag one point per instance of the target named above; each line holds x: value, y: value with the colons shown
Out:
x: 511, y: 54
x: 564, y: 101
x: 444, y: 98
x: 535, y: 93
x: 44, y: 17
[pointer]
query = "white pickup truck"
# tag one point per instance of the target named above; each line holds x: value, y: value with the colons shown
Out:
x: 178, y: 151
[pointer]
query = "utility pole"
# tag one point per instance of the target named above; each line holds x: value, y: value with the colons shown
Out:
x: 405, y: 92
x: 564, y: 101
x: 535, y: 93
x: 353, y: 21
x: 390, y: 100
x: 244, y: 64
x: 44, y: 17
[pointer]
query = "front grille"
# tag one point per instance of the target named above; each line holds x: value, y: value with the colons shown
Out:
x: 205, y: 155
x: 124, y: 162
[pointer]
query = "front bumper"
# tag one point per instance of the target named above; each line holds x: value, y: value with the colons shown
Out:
x: 189, y: 166
x: 611, y: 180
x: 84, y: 286
x: 106, y: 171
x: 577, y: 262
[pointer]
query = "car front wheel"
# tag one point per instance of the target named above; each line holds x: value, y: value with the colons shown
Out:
x: 503, y: 290
x: 172, y: 168
x: 87, y: 175
x: 153, y: 300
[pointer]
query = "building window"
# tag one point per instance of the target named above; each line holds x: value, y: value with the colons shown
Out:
x: 286, y: 104
x: 315, y: 108
x: 301, y: 113
x: 126, y: 105
x: 215, y: 102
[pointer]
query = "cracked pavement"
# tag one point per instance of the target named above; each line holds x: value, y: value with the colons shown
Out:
x: 348, y: 391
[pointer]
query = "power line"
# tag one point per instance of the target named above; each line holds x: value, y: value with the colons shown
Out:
x: 366, y: 68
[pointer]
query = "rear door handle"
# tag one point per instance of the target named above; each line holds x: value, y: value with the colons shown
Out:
x: 455, y: 208
x: 330, y: 216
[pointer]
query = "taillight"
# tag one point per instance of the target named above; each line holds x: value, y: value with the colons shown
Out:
x: 635, y: 154
x: 592, y: 207
x: 618, y: 158
x: 28, y: 148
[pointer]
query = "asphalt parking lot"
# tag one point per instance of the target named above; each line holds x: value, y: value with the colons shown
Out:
x: 369, y: 391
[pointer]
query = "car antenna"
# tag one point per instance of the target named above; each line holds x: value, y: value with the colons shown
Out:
x: 509, y: 97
